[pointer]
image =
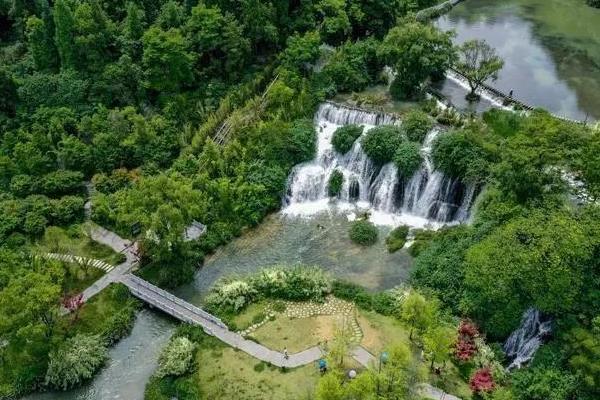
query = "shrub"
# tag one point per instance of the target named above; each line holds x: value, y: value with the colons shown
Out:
x: 363, y: 232
x: 397, y: 238
x: 260, y: 367
x: 344, y: 137
x: 385, y: 303
x: 336, y: 181
x: 176, y: 358
x: 297, y: 283
x: 593, y: 3
x: 67, y: 210
x: 416, y: 125
x: 420, y: 241
x: 62, y: 182
x: 381, y: 143
x: 279, y: 306
x: 408, y: 158
x: 76, y: 361
x: 460, y: 154
x: 231, y: 295
x: 503, y: 123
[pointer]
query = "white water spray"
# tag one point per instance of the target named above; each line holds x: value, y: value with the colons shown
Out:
x: 426, y: 199
x: 522, y: 344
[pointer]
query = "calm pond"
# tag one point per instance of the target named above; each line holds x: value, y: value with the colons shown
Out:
x: 551, y: 50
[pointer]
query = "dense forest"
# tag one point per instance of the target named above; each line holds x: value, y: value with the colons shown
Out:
x: 183, y: 111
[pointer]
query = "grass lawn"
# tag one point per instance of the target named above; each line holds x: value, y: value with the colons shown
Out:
x: 251, y: 315
x: 226, y: 373
x: 297, y: 334
x: 76, y: 279
x: 74, y: 240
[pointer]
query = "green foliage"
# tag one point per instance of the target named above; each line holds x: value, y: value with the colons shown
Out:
x: 461, y: 154
x: 502, y: 122
x: 295, y: 283
x: 363, y: 232
x: 176, y: 358
x: 538, y: 384
x: 76, y: 361
x: 416, y: 124
x: 478, y: 62
x: 381, y: 143
x: 593, y: 3
x: 408, y: 158
x: 415, y: 51
x: 336, y: 180
x: 166, y: 62
x: 397, y: 238
x: 344, y: 137
x: 536, y: 261
x: 418, y: 312
x: 382, y: 302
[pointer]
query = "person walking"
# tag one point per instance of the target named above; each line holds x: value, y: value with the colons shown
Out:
x: 285, y: 353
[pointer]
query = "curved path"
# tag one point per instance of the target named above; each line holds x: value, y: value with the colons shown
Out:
x: 189, y: 313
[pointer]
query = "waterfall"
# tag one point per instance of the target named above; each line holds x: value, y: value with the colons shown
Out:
x: 522, y: 344
x: 427, y: 198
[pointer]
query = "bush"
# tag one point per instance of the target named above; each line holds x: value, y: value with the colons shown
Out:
x: 385, y: 303
x: 336, y: 181
x: 76, y: 361
x: 345, y: 136
x: 459, y: 154
x: 593, y: 3
x: 62, y: 182
x: 381, y: 143
x: 416, y: 125
x: 231, y: 295
x: 397, y: 238
x: 67, y: 210
x: 363, y: 232
x: 408, y: 158
x: 176, y: 358
x: 297, y: 283
x: 420, y: 241
x: 503, y: 123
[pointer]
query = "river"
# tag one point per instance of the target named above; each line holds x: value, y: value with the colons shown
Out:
x: 551, y: 50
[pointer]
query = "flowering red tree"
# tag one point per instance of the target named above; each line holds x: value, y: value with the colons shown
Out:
x: 465, y: 346
x: 482, y: 381
x: 73, y: 304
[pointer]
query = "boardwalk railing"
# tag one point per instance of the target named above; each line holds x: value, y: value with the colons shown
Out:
x: 167, y: 302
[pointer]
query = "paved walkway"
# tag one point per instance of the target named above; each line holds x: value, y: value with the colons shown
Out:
x: 212, y: 325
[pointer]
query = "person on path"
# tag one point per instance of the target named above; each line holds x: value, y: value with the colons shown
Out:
x: 285, y: 353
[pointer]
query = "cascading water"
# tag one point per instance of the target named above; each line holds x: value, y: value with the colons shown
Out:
x: 428, y: 198
x: 522, y: 344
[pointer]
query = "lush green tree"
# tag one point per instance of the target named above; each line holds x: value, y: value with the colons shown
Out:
x: 172, y: 15
x: 217, y: 42
x: 76, y: 361
x: 462, y: 154
x: 537, y: 261
x: 335, y: 24
x: 41, y: 44
x: 478, y: 62
x: 438, y: 343
x: 408, y: 158
x: 9, y: 90
x: 590, y: 165
x: 353, y: 65
x: 65, y: 24
x: 167, y: 63
x: 380, y: 143
x: 583, y: 347
x: 416, y: 51
x: 543, y: 384
x: 344, y: 137
x: 418, y: 312
x: 363, y: 232
x: 301, y: 52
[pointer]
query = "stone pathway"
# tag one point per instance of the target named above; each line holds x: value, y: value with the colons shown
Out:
x: 90, y: 262
x: 189, y: 313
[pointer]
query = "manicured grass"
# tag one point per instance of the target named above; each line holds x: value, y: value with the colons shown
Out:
x: 225, y: 373
x: 75, y: 240
x: 246, y: 318
x: 297, y: 334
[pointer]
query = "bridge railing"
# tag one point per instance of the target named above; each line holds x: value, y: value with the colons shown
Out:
x: 181, y: 303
